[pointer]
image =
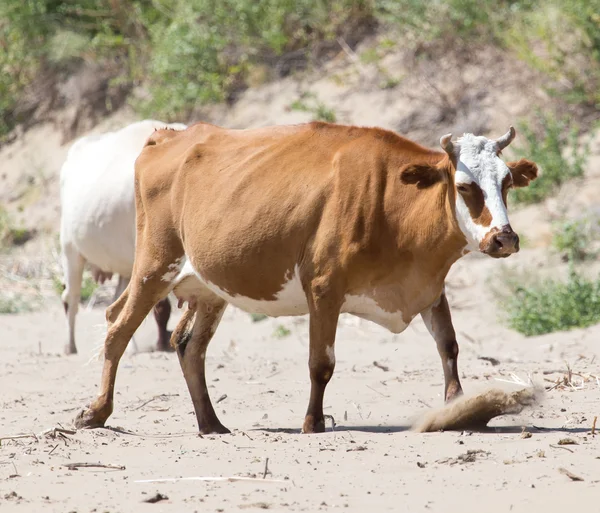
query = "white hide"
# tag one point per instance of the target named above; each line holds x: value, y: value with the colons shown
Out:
x: 98, y: 205
x: 478, y: 162
x: 290, y: 300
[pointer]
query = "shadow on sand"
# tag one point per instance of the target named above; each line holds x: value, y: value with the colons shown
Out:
x: 382, y: 429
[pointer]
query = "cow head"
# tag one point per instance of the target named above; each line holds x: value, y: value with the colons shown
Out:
x: 482, y: 181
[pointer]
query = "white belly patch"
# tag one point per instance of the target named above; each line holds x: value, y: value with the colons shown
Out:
x: 289, y: 301
x: 366, y: 308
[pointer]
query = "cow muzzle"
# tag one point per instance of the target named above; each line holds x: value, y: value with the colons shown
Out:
x: 500, y: 242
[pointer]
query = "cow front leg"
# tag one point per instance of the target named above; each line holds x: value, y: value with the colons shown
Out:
x: 190, y: 339
x: 324, y: 315
x: 438, y: 320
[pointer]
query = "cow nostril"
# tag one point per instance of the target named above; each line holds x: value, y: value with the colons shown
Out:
x: 499, y: 243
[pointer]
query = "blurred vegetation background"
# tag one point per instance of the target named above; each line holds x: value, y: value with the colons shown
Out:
x: 186, y: 53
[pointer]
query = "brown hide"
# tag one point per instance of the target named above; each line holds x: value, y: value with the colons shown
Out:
x: 247, y: 206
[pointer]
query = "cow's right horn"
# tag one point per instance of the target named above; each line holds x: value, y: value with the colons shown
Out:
x: 506, y: 139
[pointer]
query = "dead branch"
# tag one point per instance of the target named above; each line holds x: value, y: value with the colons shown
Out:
x: 570, y: 474
x: 17, y: 437
x: 75, y: 466
x: 384, y: 368
x: 230, y: 479
x: 159, y: 396
x: 561, y: 447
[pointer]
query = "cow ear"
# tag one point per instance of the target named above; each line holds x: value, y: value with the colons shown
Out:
x: 422, y: 176
x: 523, y: 171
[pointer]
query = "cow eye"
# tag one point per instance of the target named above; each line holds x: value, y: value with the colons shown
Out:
x: 463, y: 189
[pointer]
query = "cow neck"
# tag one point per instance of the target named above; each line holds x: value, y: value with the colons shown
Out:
x: 423, y: 220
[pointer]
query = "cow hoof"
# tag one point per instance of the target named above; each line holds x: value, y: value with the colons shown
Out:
x: 218, y: 429
x: 165, y: 348
x: 70, y: 350
x: 453, y: 393
x: 313, y: 426
x: 87, y: 419
x: 164, y: 343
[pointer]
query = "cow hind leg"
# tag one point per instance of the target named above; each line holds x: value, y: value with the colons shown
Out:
x: 73, y: 272
x: 162, y: 313
x: 121, y: 287
x: 190, y: 339
x: 324, y: 315
x: 124, y: 318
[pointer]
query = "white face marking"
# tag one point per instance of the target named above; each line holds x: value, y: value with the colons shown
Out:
x: 330, y: 350
x: 367, y: 308
x: 479, y: 163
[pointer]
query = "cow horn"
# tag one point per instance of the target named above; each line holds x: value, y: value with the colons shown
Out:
x: 506, y: 139
x: 446, y: 143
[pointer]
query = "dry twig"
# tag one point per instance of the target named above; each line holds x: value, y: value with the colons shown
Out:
x: 570, y: 474
x: 75, y: 466
x: 230, y: 479
x: 384, y: 368
x: 561, y: 447
x: 17, y: 437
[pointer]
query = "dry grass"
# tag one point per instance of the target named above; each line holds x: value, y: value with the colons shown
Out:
x: 571, y: 380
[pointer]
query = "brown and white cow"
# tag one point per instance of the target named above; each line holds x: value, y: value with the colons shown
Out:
x: 316, y: 218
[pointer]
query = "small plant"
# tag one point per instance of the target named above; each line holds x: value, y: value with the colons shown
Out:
x: 257, y: 317
x: 552, y: 305
x: 308, y: 102
x: 10, y: 235
x: 558, y: 153
x: 88, y: 286
x: 281, y: 331
x: 14, y: 304
x: 573, y: 238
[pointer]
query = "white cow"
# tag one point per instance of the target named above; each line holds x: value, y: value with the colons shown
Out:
x: 98, y: 215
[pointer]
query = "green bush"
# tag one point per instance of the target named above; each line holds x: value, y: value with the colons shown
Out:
x: 473, y: 21
x: 186, y: 53
x: 14, y: 304
x: 572, y: 238
x: 88, y: 286
x: 553, y: 305
x: 281, y: 331
x: 562, y: 39
x: 556, y: 150
x: 308, y: 102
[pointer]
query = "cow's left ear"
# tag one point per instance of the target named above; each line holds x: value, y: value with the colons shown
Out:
x: 523, y: 171
x: 422, y: 175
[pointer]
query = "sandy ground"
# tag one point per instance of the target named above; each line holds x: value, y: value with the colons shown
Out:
x: 370, y: 461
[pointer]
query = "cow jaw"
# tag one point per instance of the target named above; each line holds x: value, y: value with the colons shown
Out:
x: 481, y: 180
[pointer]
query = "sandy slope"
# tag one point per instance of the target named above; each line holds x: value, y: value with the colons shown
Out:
x: 370, y: 462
